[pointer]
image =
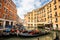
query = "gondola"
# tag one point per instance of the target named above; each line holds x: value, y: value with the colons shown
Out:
x: 27, y: 34
x: 6, y: 32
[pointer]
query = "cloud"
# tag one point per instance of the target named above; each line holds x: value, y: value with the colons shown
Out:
x: 24, y: 6
x: 20, y: 12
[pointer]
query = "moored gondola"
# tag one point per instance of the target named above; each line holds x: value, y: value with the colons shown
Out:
x: 6, y: 32
x: 33, y: 33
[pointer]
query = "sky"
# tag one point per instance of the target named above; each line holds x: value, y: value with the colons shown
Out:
x: 24, y: 6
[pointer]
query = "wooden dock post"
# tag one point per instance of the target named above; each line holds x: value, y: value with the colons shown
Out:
x: 38, y: 38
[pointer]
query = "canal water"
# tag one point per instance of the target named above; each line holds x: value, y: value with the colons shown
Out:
x: 51, y: 36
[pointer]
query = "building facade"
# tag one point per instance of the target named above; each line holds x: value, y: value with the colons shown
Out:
x: 8, y: 13
x: 49, y: 14
x: 46, y: 16
x: 30, y: 20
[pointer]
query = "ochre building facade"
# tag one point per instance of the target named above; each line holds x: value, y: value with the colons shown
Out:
x: 45, y: 16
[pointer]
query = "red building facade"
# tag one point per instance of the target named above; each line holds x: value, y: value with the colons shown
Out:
x: 8, y: 13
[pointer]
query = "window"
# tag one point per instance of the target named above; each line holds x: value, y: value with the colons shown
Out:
x: 54, y: 1
x: 10, y: 13
x: 50, y: 5
x: 44, y: 15
x: 1, y: 25
x: 4, y: 9
x: 9, y: 0
x: 56, y: 20
x: 44, y: 9
x: 39, y: 12
x: 56, y: 14
x: 0, y: 1
x: 34, y: 17
x: 0, y: 12
x: 35, y: 25
x: 31, y: 20
x: 59, y: 14
x: 58, y: 0
x: 38, y: 20
x: 45, y: 19
x: 0, y: 5
x: 50, y: 10
x: 59, y: 6
x: 31, y: 25
x: 55, y: 7
x: 28, y: 25
x: 28, y: 17
x: 51, y: 20
x: 50, y: 15
x: 4, y: 1
x: 47, y: 8
x: 56, y: 26
x: 35, y: 20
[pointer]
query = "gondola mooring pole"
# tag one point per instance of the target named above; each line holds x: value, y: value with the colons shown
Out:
x: 38, y: 38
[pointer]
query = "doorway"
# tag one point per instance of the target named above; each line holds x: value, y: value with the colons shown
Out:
x: 11, y: 23
x: 7, y: 23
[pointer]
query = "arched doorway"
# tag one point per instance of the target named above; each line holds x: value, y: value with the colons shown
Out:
x: 11, y: 23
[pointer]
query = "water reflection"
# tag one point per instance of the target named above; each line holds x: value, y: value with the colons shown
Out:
x: 54, y: 35
x: 51, y: 36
